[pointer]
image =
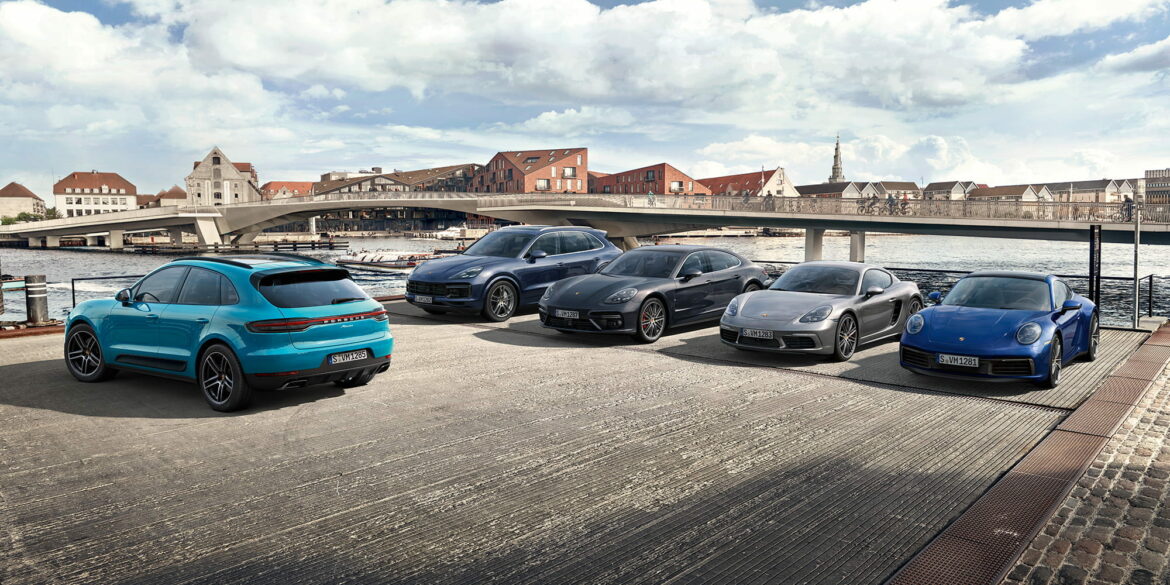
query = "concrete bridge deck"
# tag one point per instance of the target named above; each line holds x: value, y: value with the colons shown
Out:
x: 508, y: 453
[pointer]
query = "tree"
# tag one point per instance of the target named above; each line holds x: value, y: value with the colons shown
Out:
x: 7, y: 220
x: 26, y: 216
x: 52, y: 213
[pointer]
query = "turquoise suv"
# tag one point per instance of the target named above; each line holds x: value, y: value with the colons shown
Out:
x: 234, y: 324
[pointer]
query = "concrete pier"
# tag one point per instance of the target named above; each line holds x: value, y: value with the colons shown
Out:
x: 814, y: 244
x: 857, y: 246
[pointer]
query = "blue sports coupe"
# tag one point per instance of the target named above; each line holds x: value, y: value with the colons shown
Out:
x: 1002, y: 326
x: 234, y: 324
x: 507, y: 269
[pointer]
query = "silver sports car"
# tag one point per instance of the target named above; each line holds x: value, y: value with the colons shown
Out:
x: 827, y: 308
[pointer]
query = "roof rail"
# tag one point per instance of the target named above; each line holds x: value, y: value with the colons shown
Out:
x: 294, y: 257
x: 214, y: 259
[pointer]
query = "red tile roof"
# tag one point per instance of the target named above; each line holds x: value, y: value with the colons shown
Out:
x: 15, y: 189
x: 93, y: 180
x: 1004, y: 191
x: 741, y: 182
x: 175, y: 192
x: 543, y: 157
x: 298, y: 187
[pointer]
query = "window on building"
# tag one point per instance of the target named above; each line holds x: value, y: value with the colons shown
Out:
x: 578, y: 160
x: 218, y: 195
x: 606, y: 189
x: 690, y: 186
x: 508, y: 174
x: 676, y: 186
x: 215, y: 160
x: 578, y: 184
x: 542, y: 185
x: 558, y: 184
x: 569, y: 172
x: 68, y: 213
x: 531, y: 159
x: 215, y: 174
x: 649, y: 175
x: 87, y: 200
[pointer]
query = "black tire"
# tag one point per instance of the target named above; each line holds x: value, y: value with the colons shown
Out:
x: 500, y: 301
x: 752, y: 287
x: 914, y: 306
x: 222, y: 380
x: 83, y: 355
x: 1055, y: 365
x: 358, y: 380
x: 434, y: 311
x: 845, y: 338
x: 651, y: 321
x: 1094, y: 339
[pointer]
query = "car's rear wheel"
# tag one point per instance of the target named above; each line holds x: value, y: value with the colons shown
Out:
x: 354, y: 382
x: 1055, y: 365
x: 500, y: 302
x: 434, y: 311
x: 845, y: 341
x: 1094, y: 339
x: 752, y: 287
x: 651, y: 321
x: 83, y: 355
x: 222, y: 379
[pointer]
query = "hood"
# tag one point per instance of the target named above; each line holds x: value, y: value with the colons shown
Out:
x: 783, y: 305
x: 592, y: 289
x: 452, y: 265
x: 945, y: 323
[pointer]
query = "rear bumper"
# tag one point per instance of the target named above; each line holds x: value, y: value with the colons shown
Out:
x: 319, y: 375
x: 285, y: 363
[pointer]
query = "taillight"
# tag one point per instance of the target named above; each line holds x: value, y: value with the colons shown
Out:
x: 299, y: 324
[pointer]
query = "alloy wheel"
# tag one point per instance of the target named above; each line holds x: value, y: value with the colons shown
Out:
x: 653, y: 319
x: 218, y: 376
x: 1095, y: 338
x: 915, y: 306
x: 502, y: 301
x: 1055, y: 366
x: 84, y: 354
x: 751, y: 287
x: 847, y: 336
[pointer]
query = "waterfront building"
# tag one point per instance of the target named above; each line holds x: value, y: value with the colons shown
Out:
x: 285, y: 189
x: 1011, y: 193
x: 898, y: 189
x: 846, y: 190
x: 1158, y: 186
x: 949, y: 190
x: 216, y: 180
x: 339, y: 175
x: 659, y: 178
x: 93, y: 192
x: 594, y: 177
x: 174, y: 196
x: 360, y: 183
x: 759, y: 183
x: 454, y: 178
x: 838, y: 175
x: 561, y: 170
x: 1099, y: 191
x: 16, y: 199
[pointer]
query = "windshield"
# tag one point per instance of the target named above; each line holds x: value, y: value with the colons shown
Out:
x: 503, y: 244
x: 1000, y: 292
x: 650, y: 264
x: 825, y: 280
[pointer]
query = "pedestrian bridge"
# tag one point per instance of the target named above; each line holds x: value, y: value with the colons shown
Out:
x: 629, y: 216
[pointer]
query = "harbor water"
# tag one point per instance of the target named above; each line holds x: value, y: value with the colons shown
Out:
x: 906, y: 252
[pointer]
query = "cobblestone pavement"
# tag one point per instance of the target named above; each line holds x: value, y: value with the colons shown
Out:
x: 1114, y: 527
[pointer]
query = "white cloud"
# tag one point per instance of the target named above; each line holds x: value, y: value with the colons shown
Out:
x: 1151, y: 57
x: 581, y: 121
x: 1050, y: 18
x: 318, y: 91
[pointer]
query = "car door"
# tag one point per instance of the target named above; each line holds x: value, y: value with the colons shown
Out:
x: 130, y: 331
x: 535, y: 274
x: 692, y: 298
x: 725, y: 276
x: 181, y: 325
x: 1069, y: 322
x: 876, y: 313
x: 582, y: 253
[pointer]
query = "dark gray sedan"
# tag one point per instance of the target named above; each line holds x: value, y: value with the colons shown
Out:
x: 646, y: 290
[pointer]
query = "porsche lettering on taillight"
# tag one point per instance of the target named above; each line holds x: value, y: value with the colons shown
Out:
x: 300, y: 324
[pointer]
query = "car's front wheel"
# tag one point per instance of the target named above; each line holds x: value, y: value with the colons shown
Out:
x: 500, y: 302
x: 1094, y: 339
x: 651, y: 321
x: 83, y: 355
x: 222, y: 379
x: 1055, y: 365
x: 845, y: 341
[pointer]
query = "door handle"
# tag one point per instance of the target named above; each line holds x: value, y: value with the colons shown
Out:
x: 202, y: 320
x: 152, y: 317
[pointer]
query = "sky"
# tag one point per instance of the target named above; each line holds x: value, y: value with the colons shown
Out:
x: 993, y: 91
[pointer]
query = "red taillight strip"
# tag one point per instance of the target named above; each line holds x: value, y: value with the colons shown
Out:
x: 285, y: 325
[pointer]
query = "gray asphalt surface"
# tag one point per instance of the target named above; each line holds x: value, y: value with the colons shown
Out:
x: 499, y: 453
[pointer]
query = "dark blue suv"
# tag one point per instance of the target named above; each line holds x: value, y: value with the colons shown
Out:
x: 507, y: 269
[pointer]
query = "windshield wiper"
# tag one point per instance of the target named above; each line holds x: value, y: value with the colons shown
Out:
x: 347, y: 300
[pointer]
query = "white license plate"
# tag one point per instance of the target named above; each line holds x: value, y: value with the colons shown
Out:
x: 422, y: 299
x: 965, y: 361
x: 759, y: 333
x: 349, y: 356
x: 563, y: 314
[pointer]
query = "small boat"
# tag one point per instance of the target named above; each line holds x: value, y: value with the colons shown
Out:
x: 390, y: 261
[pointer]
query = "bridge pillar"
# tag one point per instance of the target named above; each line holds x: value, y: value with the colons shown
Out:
x: 52, y: 241
x: 207, y: 231
x: 34, y: 242
x: 176, y: 236
x: 244, y: 239
x: 114, y: 240
x: 313, y: 225
x: 91, y: 240
x: 627, y: 243
x: 814, y: 243
x: 857, y: 246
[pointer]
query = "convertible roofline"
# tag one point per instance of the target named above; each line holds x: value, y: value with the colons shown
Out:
x: 1012, y: 274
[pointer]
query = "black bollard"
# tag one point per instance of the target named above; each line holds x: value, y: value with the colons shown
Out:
x: 36, y: 298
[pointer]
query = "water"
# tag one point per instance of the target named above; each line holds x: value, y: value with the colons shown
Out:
x: 912, y: 252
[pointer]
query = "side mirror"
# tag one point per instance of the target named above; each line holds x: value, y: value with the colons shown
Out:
x: 535, y: 255
x: 123, y: 296
x: 1070, y: 305
x: 874, y: 291
x: 935, y: 296
x: 691, y: 274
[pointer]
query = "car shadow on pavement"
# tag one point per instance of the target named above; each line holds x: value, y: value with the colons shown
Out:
x: 46, y: 385
x: 533, y: 334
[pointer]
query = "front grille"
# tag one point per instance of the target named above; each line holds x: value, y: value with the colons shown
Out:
x: 799, y: 342
x: 729, y: 335
x: 1012, y: 367
x: 558, y: 322
x: 439, y: 289
x: 917, y: 358
x: 759, y: 342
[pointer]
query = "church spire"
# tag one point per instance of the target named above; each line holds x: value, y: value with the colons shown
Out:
x: 838, y: 175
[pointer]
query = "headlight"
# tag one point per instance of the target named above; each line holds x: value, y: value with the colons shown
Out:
x: 547, y: 293
x: 1028, y: 333
x: 621, y: 296
x: 818, y: 314
x: 733, y: 307
x: 470, y: 272
x: 915, y: 324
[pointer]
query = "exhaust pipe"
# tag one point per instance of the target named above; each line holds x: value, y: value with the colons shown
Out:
x: 295, y: 384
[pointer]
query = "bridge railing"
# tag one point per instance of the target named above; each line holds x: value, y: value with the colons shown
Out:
x: 1085, y: 212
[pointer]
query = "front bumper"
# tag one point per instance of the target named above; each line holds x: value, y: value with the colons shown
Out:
x: 619, y: 319
x: 992, y: 367
x: 454, y: 296
x: 812, y: 338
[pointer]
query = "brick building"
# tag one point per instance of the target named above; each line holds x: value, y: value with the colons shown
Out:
x: 93, y: 192
x: 563, y: 170
x: 659, y: 178
x: 285, y: 189
x: 361, y: 183
x: 173, y: 196
x: 215, y: 180
x: 453, y: 178
x: 16, y: 199
x: 761, y: 183
x: 1158, y: 186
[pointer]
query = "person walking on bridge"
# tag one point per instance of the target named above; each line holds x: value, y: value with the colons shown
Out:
x: 650, y: 198
x: 1127, y: 210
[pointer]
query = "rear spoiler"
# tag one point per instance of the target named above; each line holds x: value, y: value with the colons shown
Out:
x: 258, y: 276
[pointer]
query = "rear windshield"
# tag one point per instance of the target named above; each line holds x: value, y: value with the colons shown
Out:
x: 312, y: 288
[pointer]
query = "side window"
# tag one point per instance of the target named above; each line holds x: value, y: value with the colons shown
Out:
x: 227, y: 292
x: 200, y: 288
x: 878, y: 278
x: 162, y: 286
x: 693, y: 262
x: 578, y: 242
x: 550, y: 243
x: 717, y: 260
x: 1063, y: 292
